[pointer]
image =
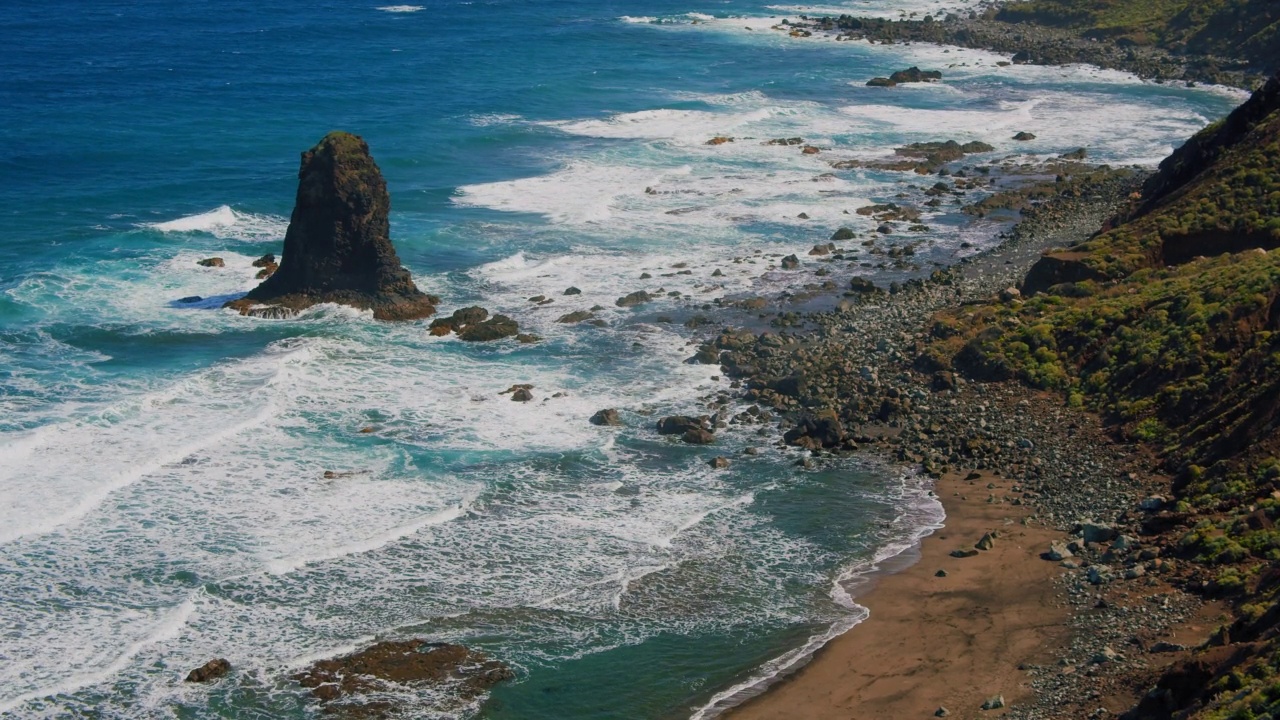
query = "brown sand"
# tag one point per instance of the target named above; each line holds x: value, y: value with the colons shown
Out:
x: 939, y: 641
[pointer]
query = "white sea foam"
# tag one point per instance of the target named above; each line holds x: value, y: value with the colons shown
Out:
x: 226, y: 223
x: 402, y: 8
x: 890, y: 9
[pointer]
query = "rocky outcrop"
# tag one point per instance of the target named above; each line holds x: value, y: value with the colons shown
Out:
x: 386, y: 665
x: 606, y: 417
x: 210, y: 671
x: 338, y: 247
x: 1057, y: 269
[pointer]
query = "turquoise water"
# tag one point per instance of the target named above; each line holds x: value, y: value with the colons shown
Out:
x: 163, y: 497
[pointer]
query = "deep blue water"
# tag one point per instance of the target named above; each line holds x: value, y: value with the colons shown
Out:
x: 162, y: 489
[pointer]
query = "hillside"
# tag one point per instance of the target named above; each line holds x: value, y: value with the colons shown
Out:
x: 1245, y: 29
x: 1168, y: 324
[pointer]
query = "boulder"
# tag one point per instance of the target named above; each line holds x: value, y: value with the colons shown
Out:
x: 790, y: 262
x: 495, y: 328
x: 606, y: 417
x: 407, y: 663
x: 881, y: 82
x: 719, y: 140
x: 209, y: 671
x: 1057, y: 551
x: 1024, y: 137
x: 522, y: 395
x: 461, y: 318
x: 572, y: 291
x: 338, y: 246
x: 638, y: 297
x: 993, y: 703
x: 1098, y: 533
x: 719, y: 463
x: 986, y: 543
x: 698, y: 436
x: 211, y: 262
x: 862, y: 286
x: 915, y: 75
x: 678, y: 424
x: 576, y: 316
x: 265, y: 260
x: 842, y: 234
x: 822, y: 429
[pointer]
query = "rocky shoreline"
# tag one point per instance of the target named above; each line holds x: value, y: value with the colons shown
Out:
x: 1028, y: 43
x: 853, y: 380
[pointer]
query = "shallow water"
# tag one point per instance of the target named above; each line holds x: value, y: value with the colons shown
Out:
x: 162, y: 489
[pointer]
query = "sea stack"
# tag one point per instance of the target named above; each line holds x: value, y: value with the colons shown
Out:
x: 338, y: 246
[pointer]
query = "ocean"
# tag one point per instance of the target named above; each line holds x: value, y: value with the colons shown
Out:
x: 179, y: 483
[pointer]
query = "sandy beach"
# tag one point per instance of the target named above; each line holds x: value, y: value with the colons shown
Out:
x: 932, y: 641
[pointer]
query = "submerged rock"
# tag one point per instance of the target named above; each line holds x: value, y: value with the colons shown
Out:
x: 211, y: 262
x: 576, y: 316
x: 606, y: 417
x: 381, y: 667
x: 210, y: 671
x: 338, y: 246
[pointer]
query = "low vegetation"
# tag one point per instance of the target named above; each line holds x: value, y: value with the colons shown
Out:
x: 1168, y: 324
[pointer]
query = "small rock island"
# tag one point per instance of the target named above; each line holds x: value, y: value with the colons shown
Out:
x: 338, y: 246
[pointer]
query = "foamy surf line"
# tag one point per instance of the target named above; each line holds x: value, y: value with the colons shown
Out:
x: 225, y: 223
x: 924, y: 515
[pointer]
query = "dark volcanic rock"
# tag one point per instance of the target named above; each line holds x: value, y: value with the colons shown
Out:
x: 790, y: 262
x: 338, y: 247
x: 863, y: 286
x: 495, y: 328
x: 914, y: 74
x: 211, y: 262
x: 678, y: 425
x: 606, y: 417
x: 1024, y: 136
x: 576, y: 316
x: 383, y: 666
x: 211, y: 670
x: 698, y: 436
x: 636, y: 298
x: 462, y: 317
x: 817, y: 431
